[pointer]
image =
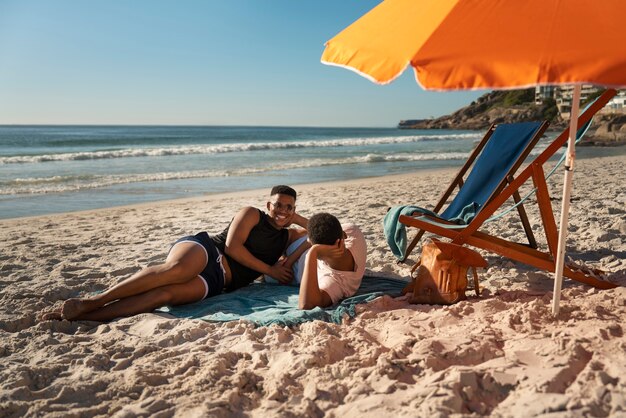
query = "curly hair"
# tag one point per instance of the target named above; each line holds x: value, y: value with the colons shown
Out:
x: 324, y: 228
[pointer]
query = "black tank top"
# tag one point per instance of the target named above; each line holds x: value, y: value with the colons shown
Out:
x: 265, y: 242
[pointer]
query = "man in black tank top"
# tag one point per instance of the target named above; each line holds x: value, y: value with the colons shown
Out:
x: 200, y: 266
x: 264, y: 242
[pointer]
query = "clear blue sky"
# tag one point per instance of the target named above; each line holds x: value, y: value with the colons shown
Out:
x: 212, y: 62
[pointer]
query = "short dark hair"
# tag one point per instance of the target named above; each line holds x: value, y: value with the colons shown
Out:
x: 324, y: 228
x: 282, y: 189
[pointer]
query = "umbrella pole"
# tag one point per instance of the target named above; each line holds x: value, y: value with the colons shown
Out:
x: 565, y: 203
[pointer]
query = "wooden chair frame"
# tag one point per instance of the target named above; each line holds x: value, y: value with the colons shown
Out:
x: 520, y: 252
x: 458, y: 181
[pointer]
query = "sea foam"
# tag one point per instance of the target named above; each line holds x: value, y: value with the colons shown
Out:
x: 57, y: 184
x: 224, y: 148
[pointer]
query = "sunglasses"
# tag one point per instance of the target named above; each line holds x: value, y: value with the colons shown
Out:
x: 281, y: 206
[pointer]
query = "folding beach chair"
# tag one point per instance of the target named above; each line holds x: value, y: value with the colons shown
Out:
x: 508, y: 185
x: 493, y: 162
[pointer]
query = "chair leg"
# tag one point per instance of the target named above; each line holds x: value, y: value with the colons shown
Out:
x: 545, y: 208
x: 532, y: 242
x: 525, y: 222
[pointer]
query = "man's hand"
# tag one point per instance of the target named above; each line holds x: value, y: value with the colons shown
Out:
x: 299, y: 220
x: 285, y: 261
x: 281, y: 273
x: 330, y: 251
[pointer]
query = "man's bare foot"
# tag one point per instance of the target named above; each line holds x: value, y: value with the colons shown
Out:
x: 51, y: 316
x: 74, y: 308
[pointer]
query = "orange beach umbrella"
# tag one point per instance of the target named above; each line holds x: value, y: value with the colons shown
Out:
x: 479, y: 44
x: 474, y: 44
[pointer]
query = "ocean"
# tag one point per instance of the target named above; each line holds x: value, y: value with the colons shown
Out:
x: 52, y: 169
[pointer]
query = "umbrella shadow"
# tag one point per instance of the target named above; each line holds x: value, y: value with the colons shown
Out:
x: 595, y: 255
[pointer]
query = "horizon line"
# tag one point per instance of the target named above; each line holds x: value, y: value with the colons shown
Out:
x: 191, y: 125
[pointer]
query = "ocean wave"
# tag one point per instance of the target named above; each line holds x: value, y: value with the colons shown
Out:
x: 413, y: 157
x: 69, y: 183
x: 224, y: 148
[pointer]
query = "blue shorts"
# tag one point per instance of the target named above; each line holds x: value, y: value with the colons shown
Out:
x: 213, y: 273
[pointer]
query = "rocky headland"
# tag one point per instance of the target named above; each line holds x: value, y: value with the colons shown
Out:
x: 519, y: 106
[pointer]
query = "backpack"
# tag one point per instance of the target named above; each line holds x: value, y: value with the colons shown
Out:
x: 440, y: 276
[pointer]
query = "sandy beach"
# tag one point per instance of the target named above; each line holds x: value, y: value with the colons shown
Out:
x: 502, y: 354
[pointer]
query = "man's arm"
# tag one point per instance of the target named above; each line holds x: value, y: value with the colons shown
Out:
x: 238, y: 233
x: 294, y: 235
x: 300, y: 220
x: 294, y: 256
x: 297, y: 233
x: 310, y: 293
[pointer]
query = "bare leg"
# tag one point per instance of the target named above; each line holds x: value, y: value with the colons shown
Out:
x: 174, y: 294
x: 185, y: 261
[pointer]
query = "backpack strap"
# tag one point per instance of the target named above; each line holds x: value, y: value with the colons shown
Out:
x: 419, y: 263
x: 476, y: 286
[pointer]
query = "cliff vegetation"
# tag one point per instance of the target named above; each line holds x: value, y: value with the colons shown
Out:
x: 519, y: 106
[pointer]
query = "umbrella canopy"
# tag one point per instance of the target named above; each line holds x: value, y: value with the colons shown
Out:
x: 473, y: 44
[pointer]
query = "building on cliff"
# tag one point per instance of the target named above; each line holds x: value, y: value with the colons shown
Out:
x: 542, y: 93
x: 617, y: 104
x: 562, y: 95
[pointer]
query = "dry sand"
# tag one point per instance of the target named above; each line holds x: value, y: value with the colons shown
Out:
x: 503, y: 354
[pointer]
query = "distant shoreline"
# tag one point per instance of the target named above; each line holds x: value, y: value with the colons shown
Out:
x: 496, y: 107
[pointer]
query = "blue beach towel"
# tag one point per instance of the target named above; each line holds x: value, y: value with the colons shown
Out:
x: 395, y: 232
x: 268, y: 303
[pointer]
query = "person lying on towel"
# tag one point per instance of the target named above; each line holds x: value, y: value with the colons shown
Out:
x: 200, y: 266
x: 329, y: 265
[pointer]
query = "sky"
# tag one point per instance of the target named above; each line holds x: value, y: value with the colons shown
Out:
x: 194, y: 62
